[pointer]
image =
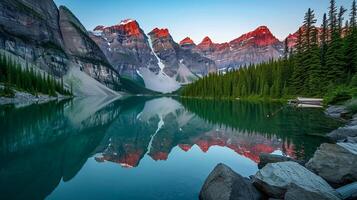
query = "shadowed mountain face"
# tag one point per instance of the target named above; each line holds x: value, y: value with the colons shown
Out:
x: 42, y: 155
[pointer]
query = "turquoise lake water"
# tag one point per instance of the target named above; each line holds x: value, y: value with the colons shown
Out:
x: 143, y: 148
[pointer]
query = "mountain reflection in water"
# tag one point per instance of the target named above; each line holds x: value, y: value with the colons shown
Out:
x: 44, y: 146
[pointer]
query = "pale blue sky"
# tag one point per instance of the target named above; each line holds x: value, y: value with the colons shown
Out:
x: 222, y: 20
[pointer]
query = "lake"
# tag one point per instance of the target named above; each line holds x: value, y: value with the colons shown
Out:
x: 144, y: 148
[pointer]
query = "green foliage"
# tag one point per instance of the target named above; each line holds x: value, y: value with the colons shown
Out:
x: 12, y: 74
x: 338, y: 95
x: 7, y: 92
x: 322, y: 64
x: 352, y: 106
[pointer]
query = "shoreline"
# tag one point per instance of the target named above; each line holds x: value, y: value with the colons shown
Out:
x: 330, y: 174
x: 22, y: 99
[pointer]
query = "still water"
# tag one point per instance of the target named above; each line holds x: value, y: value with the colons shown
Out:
x: 143, y: 148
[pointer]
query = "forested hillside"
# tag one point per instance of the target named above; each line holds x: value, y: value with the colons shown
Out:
x: 323, y: 61
x: 13, y: 75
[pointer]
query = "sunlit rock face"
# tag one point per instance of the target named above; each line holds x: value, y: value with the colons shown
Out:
x: 257, y: 46
x: 127, y: 48
x: 176, y: 59
x: 154, y: 60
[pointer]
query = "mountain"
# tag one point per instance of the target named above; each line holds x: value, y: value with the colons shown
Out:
x: 127, y: 48
x: 155, y: 60
x: 254, y: 47
x: 83, y: 51
x: 56, y: 43
x: 178, y: 61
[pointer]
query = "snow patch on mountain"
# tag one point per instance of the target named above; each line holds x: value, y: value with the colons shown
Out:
x: 84, y: 85
x: 158, y: 82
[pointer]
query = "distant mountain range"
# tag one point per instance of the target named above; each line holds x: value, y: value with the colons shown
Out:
x: 122, y: 57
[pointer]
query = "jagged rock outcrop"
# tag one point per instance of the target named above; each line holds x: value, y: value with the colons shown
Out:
x: 30, y: 29
x: 127, y: 48
x: 187, y: 43
x: 257, y: 46
x: 179, y: 62
x: 83, y: 51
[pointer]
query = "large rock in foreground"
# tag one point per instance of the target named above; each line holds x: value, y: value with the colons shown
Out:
x: 289, y: 177
x: 336, y: 163
x: 224, y: 184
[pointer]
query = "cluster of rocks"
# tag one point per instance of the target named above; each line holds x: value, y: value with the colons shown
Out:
x: 331, y: 174
x: 22, y: 99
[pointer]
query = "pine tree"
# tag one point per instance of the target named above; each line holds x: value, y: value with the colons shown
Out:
x: 351, y: 43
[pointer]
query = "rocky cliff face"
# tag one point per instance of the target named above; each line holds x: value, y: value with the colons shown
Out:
x: 30, y: 29
x: 52, y: 40
x: 254, y: 47
x: 83, y: 51
x: 158, y: 62
x: 127, y: 48
x: 179, y: 60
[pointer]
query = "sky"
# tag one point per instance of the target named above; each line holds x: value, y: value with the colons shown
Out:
x: 221, y: 20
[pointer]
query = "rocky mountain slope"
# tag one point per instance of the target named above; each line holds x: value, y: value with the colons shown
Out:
x: 254, y: 47
x: 55, y: 42
x: 83, y: 51
x: 127, y: 48
x: 154, y: 60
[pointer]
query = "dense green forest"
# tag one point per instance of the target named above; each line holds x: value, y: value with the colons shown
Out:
x: 12, y: 75
x: 323, y: 61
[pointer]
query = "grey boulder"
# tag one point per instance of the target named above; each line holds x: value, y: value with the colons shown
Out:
x: 336, y: 163
x: 224, y: 184
x: 336, y: 111
x: 296, y: 192
x: 277, y: 178
x: 341, y: 134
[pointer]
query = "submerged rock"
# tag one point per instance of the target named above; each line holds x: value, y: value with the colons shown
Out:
x: 336, y: 163
x: 224, y: 184
x: 341, y: 134
x: 266, y: 158
x: 276, y: 179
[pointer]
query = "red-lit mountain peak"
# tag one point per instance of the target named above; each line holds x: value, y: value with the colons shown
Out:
x: 206, y: 43
x: 126, y: 27
x: 187, y: 41
x: 99, y: 28
x: 260, y: 37
x: 160, y: 33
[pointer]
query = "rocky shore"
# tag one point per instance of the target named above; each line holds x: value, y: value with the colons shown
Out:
x: 23, y: 99
x: 331, y: 174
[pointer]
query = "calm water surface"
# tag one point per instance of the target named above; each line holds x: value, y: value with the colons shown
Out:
x: 142, y: 148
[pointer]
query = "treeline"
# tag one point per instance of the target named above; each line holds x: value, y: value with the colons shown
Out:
x: 322, y: 59
x: 13, y: 75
